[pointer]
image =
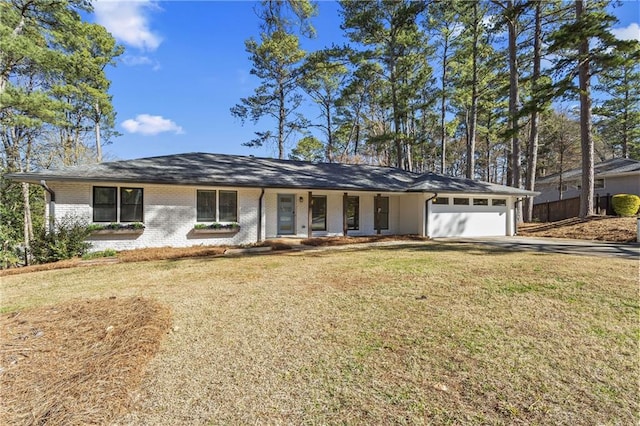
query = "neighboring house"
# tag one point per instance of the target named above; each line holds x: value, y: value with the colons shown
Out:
x: 269, y: 198
x: 616, y: 176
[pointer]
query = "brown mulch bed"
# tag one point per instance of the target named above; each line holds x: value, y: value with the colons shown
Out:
x: 598, y: 228
x: 78, y: 362
x: 138, y: 255
x: 339, y: 241
x: 167, y: 253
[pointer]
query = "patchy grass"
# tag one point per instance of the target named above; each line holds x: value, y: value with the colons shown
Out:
x: 431, y: 333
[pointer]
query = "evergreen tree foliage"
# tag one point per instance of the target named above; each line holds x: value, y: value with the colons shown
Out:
x: 308, y: 148
x: 617, y: 118
x: 277, y: 60
x: 54, y: 101
x: 394, y: 50
x: 586, y: 44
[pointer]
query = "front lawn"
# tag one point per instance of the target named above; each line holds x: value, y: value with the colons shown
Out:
x: 429, y: 333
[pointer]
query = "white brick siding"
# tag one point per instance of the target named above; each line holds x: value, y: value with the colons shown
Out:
x: 169, y: 216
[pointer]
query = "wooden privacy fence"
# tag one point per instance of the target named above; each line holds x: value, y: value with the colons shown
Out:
x: 554, y: 211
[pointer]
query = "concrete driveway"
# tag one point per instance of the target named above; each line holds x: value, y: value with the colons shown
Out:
x: 555, y: 245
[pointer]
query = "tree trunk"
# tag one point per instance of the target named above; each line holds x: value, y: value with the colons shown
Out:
x: 561, y: 181
x: 443, y: 107
x: 586, y: 139
x: 514, y: 97
x: 625, y: 120
x: 514, y: 100
x: 4, y: 77
x: 281, y: 121
x: 396, y: 121
x: 329, y: 150
x: 532, y: 151
x: 28, y: 223
x: 471, y: 142
x: 97, y: 130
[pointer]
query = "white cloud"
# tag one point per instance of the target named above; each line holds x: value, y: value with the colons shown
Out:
x: 128, y: 21
x: 631, y: 32
x: 146, y: 124
x: 134, y: 60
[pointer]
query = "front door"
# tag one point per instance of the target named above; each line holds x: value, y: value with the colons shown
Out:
x: 286, y: 214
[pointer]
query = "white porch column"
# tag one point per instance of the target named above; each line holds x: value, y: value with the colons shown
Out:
x: 424, y: 226
x: 511, y: 217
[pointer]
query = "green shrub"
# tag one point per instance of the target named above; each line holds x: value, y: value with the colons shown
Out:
x: 9, y: 257
x: 625, y: 205
x: 67, y: 241
x: 10, y: 251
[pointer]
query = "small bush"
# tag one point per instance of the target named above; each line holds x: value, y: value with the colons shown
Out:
x: 10, y: 252
x: 67, y: 241
x: 625, y: 205
x: 9, y: 257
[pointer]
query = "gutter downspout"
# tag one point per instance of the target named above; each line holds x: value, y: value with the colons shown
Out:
x: 426, y: 213
x: 260, y: 215
x: 52, y: 205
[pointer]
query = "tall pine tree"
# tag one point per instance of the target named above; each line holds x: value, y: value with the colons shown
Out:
x: 588, y: 44
x: 277, y: 60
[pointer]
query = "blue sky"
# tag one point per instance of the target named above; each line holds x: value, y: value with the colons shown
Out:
x: 185, y: 66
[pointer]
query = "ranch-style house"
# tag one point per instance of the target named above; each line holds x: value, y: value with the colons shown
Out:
x: 200, y: 198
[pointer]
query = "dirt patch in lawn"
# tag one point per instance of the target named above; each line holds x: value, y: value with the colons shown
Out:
x: 79, y: 362
x: 598, y: 228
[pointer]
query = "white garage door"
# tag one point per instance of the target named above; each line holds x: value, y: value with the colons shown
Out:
x: 467, y: 220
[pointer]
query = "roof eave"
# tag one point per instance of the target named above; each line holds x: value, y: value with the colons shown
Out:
x: 520, y: 193
x: 35, y: 178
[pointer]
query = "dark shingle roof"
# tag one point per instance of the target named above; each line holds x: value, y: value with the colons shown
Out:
x: 611, y: 167
x: 243, y: 171
x: 431, y: 182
